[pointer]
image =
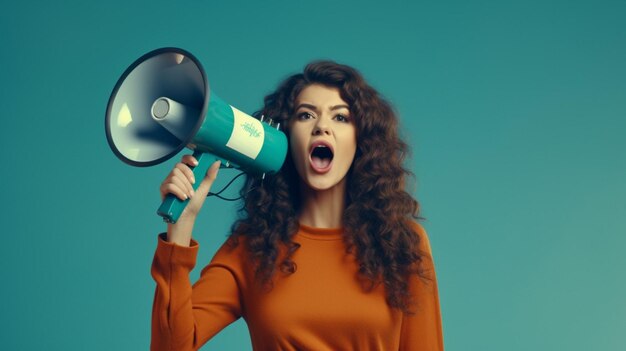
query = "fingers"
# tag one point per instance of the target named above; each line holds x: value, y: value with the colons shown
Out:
x: 209, y: 178
x: 212, y: 172
x: 189, y: 160
x: 184, y: 174
x: 182, y: 181
x: 179, y: 181
x: 171, y: 188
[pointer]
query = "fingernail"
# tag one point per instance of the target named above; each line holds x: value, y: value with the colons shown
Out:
x: 192, y: 193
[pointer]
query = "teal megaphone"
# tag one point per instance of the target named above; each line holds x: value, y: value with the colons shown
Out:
x: 162, y: 103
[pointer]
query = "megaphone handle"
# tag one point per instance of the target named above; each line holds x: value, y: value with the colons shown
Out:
x: 172, y: 206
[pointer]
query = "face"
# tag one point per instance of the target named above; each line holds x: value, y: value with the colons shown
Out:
x: 322, y: 137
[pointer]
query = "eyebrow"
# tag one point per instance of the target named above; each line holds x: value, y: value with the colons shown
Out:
x: 314, y: 108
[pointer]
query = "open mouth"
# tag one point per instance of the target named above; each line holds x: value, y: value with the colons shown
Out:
x: 321, y: 158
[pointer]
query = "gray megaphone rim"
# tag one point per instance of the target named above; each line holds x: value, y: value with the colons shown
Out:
x: 121, y: 80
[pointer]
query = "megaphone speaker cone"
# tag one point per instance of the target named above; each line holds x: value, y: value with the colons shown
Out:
x: 133, y: 133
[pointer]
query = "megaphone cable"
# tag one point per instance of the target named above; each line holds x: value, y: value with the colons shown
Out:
x: 217, y: 194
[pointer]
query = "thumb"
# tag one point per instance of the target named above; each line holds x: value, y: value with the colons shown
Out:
x: 209, y: 178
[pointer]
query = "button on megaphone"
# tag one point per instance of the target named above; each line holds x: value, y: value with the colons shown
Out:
x: 162, y: 104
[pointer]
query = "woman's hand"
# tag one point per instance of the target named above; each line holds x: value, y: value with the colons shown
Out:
x: 179, y: 183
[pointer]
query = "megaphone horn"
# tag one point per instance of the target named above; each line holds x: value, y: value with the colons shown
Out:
x: 162, y: 103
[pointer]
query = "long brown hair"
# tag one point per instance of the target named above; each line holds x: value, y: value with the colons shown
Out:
x: 379, y: 216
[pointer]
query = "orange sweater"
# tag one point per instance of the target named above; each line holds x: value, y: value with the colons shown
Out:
x: 320, y: 307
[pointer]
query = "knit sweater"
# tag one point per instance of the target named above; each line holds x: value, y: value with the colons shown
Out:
x: 322, y: 306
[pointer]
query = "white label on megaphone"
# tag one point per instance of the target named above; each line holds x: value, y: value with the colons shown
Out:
x: 248, y: 134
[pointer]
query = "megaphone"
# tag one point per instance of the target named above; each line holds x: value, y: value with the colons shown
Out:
x: 162, y: 103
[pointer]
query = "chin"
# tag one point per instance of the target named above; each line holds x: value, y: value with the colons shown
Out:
x: 320, y: 186
x: 322, y: 183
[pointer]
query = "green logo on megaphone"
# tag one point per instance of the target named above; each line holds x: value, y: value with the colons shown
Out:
x: 248, y: 127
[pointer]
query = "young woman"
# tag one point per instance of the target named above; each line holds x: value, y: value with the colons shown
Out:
x: 327, y: 254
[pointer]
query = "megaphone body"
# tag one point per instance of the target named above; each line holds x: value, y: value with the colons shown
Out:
x: 162, y: 104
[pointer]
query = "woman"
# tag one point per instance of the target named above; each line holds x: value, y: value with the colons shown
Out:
x: 327, y: 254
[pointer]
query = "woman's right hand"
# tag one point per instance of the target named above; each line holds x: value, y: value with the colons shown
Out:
x: 179, y: 183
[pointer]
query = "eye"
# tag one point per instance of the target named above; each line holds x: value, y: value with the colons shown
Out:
x: 342, y: 118
x: 304, y: 116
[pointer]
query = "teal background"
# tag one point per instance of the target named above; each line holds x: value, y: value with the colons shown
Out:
x: 515, y: 111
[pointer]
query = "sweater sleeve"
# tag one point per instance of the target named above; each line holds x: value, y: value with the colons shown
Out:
x: 185, y: 317
x: 422, y: 331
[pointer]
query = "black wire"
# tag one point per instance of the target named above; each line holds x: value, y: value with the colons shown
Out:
x: 225, y: 198
x: 217, y: 194
x: 227, y: 185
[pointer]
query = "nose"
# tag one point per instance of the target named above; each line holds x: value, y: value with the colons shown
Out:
x: 321, y: 127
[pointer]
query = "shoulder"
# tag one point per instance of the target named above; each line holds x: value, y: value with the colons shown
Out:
x: 424, y: 242
x: 427, y: 262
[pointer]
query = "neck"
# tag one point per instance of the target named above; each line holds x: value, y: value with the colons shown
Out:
x: 323, y: 208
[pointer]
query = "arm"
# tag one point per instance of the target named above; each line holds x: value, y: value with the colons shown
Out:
x: 423, y: 331
x: 186, y: 317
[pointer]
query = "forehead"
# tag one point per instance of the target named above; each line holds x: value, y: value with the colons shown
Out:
x: 320, y: 95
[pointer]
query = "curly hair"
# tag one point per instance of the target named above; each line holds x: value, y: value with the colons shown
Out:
x: 378, y: 220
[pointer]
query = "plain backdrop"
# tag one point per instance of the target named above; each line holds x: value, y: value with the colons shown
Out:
x: 515, y: 112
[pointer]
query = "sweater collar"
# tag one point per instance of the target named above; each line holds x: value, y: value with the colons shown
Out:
x: 320, y: 233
